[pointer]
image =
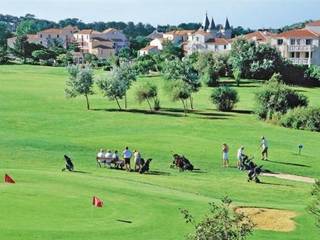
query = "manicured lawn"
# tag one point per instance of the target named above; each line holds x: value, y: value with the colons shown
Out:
x: 38, y: 125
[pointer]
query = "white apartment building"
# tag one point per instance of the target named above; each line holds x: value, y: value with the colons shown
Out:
x: 300, y: 46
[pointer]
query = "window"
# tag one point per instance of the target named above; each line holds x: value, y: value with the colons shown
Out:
x: 307, y: 55
x: 292, y: 41
x: 40, y: 35
x: 297, y: 55
x: 49, y: 36
x: 308, y: 41
x: 280, y: 41
x: 225, y: 46
x: 292, y: 54
x: 298, y: 41
x: 57, y: 35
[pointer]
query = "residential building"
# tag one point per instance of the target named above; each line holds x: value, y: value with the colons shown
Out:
x: 31, y: 38
x: 300, y: 46
x: 52, y: 36
x: 102, y: 44
x: 148, y: 50
x: 260, y: 37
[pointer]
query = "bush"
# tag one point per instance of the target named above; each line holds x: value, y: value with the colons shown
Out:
x: 302, y: 118
x: 224, y: 98
x: 313, y: 74
x: 146, y: 92
x: 276, y: 97
x: 222, y: 222
x: 293, y: 74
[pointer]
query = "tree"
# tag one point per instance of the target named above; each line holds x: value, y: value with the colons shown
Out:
x: 147, y: 91
x: 258, y: 61
x: 80, y: 82
x: 180, y: 91
x: 4, y: 34
x: 225, y: 98
x: 27, y: 26
x: 43, y: 54
x: 113, y: 87
x: 126, y: 74
x: 277, y: 98
x: 314, y: 208
x: 184, y: 70
x: 171, y: 50
x: 190, y: 76
x: 221, y: 223
x: 237, y: 76
x: 3, y: 55
x: 210, y: 67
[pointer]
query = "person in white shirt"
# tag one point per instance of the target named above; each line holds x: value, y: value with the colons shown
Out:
x: 137, y: 160
x: 264, y: 146
x: 101, y: 154
x: 240, y: 154
x: 127, y: 154
x: 108, y: 155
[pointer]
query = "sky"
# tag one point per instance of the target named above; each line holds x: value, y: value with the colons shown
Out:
x: 246, y: 13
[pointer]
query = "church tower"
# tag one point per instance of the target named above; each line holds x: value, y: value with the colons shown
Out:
x: 227, y: 30
x: 206, y: 23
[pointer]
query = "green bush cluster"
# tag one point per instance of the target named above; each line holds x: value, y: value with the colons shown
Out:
x: 277, y: 98
x: 302, y: 118
x: 224, y: 98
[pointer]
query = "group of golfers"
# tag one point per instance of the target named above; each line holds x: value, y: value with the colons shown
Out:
x: 240, y: 153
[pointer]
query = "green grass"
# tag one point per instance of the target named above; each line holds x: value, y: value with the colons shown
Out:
x: 38, y: 125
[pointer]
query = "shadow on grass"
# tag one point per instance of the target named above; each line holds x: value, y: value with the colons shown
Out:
x: 83, y: 172
x: 124, y: 221
x: 243, y: 111
x: 141, y: 111
x: 276, y: 184
x: 288, y: 163
x: 171, y: 112
x: 157, y: 173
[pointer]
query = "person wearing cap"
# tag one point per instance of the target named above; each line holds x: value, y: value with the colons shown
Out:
x: 264, y: 146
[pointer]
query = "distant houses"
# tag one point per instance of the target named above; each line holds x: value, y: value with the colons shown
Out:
x: 101, y: 44
x: 300, y: 46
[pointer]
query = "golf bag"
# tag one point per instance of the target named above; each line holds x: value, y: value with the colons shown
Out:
x: 69, y: 164
x: 182, y: 163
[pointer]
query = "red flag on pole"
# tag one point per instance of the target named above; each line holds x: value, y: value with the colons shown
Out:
x: 8, y: 179
x: 97, y: 202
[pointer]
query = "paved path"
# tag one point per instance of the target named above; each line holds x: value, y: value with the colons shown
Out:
x: 290, y: 177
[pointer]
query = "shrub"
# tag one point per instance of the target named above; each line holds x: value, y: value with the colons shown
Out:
x: 314, y: 207
x: 224, y: 98
x: 147, y: 91
x: 222, y: 222
x: 302, y: 118
x: 276, y: 97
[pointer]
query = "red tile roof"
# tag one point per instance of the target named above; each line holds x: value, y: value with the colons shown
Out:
x: 298, y: 33
x: 314, y: 24
x: 218, y: 41
x: 180, y: 32
x: 88, y: 31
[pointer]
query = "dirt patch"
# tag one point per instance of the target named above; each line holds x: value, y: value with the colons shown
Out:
x: 290, y: 177
x: 270, y: 219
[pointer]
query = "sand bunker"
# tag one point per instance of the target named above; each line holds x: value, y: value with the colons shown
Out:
x: 270, y: 219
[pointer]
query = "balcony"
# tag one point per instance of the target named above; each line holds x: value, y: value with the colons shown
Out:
x: 300, y: 48
x: 300, y: 61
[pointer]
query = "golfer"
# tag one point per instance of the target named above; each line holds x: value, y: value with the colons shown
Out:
x: 264, y: 148
x: 225, y: 155
x: 127, y: 154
